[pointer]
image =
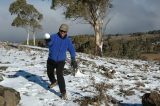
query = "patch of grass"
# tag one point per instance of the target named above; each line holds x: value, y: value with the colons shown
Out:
x: 3, y: 68
x: 127, y: 92
x: 138, y: 84
x: 85, y: 101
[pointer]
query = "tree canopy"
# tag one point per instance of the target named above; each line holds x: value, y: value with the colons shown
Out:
x: 26, y: 13
x: 88, y: 10
x: 28, y: 16
x: 93, y: 12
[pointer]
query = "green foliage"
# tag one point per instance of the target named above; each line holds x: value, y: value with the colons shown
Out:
x: 84, y: 43
x: 17, y: 7
x: 36, y: 42
x: 92, y: 12
x: 19, y: 22
x: 27, y: 15
x: 88, y: 10
x: 125, y: 47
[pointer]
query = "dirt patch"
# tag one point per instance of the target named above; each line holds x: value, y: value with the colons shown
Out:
x: 151, y: 57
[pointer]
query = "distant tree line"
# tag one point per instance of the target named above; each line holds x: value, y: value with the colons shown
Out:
x: 125, y: 47
x: 120, y: 46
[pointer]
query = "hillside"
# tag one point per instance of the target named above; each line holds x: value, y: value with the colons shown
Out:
x: 131, y: 46
x: 145, y: 46
x: 119, y: 81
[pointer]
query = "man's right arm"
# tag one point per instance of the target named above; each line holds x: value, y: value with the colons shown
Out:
x: 47, y: 39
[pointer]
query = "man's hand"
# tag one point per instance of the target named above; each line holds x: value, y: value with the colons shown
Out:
x: 46, y: 42
x: 74, y: 64
x: 47, y: 38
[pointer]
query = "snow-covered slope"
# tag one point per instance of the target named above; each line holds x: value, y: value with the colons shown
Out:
x: 25, y: 71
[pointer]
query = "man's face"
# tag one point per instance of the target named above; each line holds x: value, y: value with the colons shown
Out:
x: 62, y: 33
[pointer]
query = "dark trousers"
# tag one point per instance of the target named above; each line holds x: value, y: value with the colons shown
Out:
x: 59, y: 66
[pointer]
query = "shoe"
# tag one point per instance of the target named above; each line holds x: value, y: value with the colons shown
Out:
x: 52, y: 85
x: 64, y: 96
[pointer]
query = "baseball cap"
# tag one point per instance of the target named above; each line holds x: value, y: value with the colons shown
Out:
x: 64, y: 27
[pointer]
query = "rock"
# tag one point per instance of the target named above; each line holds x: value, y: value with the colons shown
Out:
x: 9, y: 96
x: 151, y: 99
x: 102, y: 67
x: 109, y: 73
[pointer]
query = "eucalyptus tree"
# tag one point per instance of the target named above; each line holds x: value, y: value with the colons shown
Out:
x: 93, y: 12
x: 35, y: 26
x: 26, y: 13
x: 35, y: 18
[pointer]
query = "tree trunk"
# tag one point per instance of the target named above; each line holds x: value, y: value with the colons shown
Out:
x: 34, y: 40
x: 98, y: 38
x: 28, y: 38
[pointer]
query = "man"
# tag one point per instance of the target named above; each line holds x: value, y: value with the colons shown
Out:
x: 58, y: 45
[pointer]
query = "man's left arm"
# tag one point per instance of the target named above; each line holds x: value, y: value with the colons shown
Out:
x: 72, y: 52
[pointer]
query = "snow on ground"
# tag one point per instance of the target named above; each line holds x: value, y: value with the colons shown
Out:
x: 26, y: 72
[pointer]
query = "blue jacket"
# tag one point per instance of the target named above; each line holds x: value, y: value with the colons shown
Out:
x: 58, y: 47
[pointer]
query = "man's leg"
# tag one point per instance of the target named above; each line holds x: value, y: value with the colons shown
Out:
x: 60, y: 78
x: 50, y: 70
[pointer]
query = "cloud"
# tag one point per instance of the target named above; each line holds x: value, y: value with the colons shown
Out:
x: 134, y: 16
x: 126, y: 16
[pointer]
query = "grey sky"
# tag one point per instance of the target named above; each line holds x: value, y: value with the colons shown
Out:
x: 126, y: 16
x: 135, y: 15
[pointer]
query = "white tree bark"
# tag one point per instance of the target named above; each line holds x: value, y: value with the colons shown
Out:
x: 28, y: 37
x: 34, y: 40
x: 98, y: 37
